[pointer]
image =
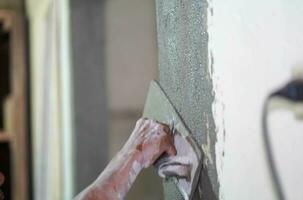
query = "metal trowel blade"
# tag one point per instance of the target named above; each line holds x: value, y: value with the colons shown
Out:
x: 184, y: 168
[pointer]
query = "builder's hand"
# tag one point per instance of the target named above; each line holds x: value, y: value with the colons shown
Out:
x: 148, y: 141
x: 152, y: 139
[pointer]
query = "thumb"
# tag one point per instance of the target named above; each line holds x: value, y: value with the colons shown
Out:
x: 171, y: 151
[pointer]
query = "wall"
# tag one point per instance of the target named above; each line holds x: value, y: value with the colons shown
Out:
x: 254, y: 46
x: 186, y: 79
x: 218, y: 61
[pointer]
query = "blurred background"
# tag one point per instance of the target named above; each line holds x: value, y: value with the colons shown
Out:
x: 74, y: 76
x: 82, y: 69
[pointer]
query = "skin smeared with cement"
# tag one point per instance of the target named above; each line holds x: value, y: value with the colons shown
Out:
x: 147, y: 143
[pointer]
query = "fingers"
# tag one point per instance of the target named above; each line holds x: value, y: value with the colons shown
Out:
x: 168, y: 140
x: 165, y: 127
x: 146, y: 121
x: 156, y: 138
x: 169, y: 143
x: 171, y: 151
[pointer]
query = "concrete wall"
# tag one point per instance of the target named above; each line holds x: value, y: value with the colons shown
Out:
x: 186, y: 79
x: 254, y: 46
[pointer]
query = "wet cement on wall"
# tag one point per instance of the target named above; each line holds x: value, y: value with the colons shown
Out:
x: 185, y: 76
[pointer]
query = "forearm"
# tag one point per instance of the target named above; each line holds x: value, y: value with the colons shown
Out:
x: 148, y: 141
x: 117, y: 178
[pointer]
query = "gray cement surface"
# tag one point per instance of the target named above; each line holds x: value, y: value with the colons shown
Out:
x: 186, y: 79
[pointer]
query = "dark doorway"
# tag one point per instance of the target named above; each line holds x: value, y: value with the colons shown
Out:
x: 5, y: 78
x: 4, y: 70
x: 5, y: 169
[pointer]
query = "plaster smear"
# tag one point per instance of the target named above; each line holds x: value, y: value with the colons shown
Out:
x: 136, y: 168
x: 218, y: 104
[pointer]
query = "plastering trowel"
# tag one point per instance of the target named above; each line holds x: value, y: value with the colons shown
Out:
x: 183, y: 168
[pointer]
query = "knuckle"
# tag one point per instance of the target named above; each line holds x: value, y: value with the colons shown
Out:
x: 158, y: 126
x: 152, y: 122
x: 161, y: 128
x: 140, y: 121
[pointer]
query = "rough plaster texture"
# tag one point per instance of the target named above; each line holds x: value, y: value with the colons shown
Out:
x: 186, y: 79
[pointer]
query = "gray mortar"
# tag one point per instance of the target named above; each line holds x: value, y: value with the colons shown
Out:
x: 185, y: 77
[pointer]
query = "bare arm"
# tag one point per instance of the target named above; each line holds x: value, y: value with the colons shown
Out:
x: 148, y: 141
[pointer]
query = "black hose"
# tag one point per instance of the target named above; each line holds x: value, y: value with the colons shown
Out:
x: 269, y: 153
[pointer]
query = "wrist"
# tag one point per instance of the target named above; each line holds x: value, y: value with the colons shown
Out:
x: 119, y: 174
x: 130, y: 153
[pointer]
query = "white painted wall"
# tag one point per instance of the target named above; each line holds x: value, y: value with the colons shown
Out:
x: 255, y: 44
